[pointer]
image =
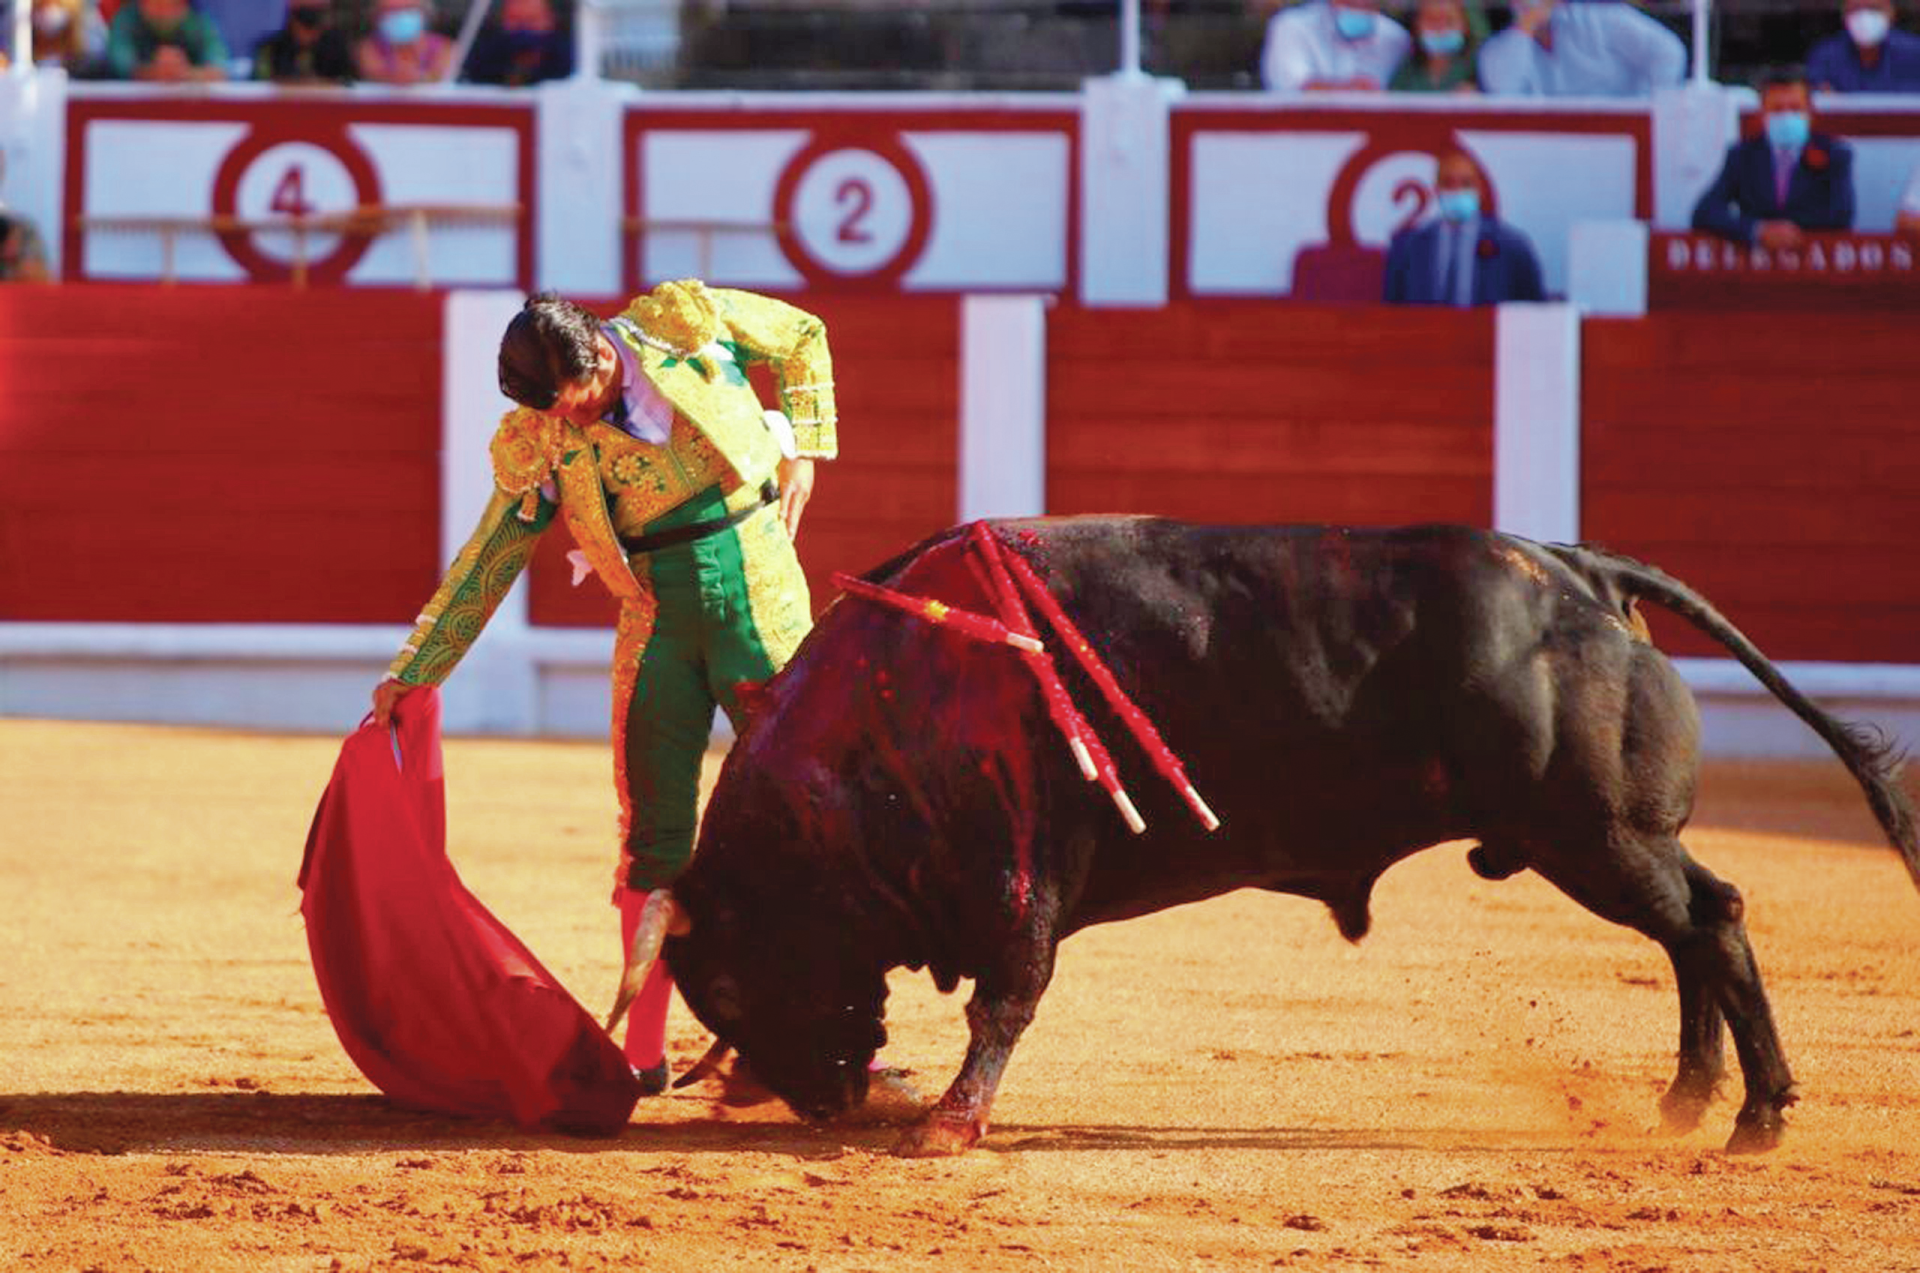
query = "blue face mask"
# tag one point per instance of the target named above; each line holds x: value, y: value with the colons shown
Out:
x: 1353, y: 24
x: 1458, y: 205
x: 403, y: 26
x: 1443, y: 43
x: 1788, y: 128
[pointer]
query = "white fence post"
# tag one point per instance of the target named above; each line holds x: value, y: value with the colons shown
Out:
x: 1003, y: 407
x: 1536, y: 421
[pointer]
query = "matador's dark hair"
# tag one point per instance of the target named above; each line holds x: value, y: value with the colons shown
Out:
x: 550, y: 342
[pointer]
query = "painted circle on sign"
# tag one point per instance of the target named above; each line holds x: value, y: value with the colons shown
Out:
x: 275, y: 175
x: 1387, y: 185
x: 853, y: 212
x: 294, y: 179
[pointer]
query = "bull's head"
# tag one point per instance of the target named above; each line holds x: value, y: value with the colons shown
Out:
x: 793, y: 999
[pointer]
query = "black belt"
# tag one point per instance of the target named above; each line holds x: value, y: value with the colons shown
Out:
x: 699, y: 530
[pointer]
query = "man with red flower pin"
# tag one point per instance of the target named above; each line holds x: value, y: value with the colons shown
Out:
x: 1464, y: 256
x: 1776, y: 186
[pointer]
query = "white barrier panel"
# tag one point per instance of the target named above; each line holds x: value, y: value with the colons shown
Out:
x: 896, y: 192
x: 1261, y: 184
x: 1536, y: 422
x: 179, y: 186
x: 1003, y: 407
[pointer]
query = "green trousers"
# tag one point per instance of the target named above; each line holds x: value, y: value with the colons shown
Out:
x: 705, y: 643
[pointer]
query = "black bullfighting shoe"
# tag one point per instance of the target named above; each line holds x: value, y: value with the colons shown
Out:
x: 653, y: 1079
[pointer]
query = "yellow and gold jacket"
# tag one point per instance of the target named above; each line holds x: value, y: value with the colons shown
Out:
x: 693, y: 343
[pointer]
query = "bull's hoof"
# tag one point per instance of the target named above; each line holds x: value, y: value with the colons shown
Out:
x: 1758, y: 1133
x: 941, y: 1134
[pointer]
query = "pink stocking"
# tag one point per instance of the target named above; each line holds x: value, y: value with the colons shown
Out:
x: 647, y: 1019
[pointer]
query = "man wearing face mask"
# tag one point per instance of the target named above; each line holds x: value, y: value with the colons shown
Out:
x: 1465, y: 255
x: 1870, y: 56
x: 527, y: 46
x: 308, y: 50
x: 1592, y: 48
x: 1331, y: 44
x: 1787, y: 180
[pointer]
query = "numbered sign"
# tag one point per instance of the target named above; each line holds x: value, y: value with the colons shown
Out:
x: 1262, y: 189
x: 951, y: 196
x: 265, y: 181
x: 237, y: 187
x: 853, y: 213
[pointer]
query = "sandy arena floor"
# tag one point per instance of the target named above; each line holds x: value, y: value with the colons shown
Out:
x: 1228, y: 1085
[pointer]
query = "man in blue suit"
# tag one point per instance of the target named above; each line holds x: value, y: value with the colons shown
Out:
x: 1787, y: 180
x: 1462, y: 256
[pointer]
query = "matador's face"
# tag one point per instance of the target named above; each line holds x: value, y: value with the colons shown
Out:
x: 587, y: 399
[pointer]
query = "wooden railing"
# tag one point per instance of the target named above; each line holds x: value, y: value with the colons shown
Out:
x: 706, y: 228
x: 366, y: 221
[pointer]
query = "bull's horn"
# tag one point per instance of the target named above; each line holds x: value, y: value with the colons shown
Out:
x: 706, y: 1065
x: 660, y: 915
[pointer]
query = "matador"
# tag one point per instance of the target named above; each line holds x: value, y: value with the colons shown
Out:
x: 683, y: 494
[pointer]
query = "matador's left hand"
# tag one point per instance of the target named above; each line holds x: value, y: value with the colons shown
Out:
x: 796, y: 488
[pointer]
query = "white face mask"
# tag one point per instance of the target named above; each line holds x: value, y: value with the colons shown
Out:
x: 1868, y: 27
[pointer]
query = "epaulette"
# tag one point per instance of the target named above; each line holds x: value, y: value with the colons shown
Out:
x: 525, y: 449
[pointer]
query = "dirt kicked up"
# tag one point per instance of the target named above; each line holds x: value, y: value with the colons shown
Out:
x: 1226, y: 1085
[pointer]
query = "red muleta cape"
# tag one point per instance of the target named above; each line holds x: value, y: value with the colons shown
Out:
x: 438, y: 1004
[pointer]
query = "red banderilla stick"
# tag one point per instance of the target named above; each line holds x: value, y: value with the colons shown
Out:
x: 1096, y: 762
x: 1149, y: 738
x: 968, y: 624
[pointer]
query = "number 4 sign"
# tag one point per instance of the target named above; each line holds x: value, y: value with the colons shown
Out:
x: 853, y: 212
x: 274, y: 174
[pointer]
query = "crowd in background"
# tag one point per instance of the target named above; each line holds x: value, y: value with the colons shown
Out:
x: 1549, y: 48
x: 1511, y: 47
x: 394, y: 42
x: 1772, y: 188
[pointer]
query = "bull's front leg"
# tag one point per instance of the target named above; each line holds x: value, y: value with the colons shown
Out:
x: 1001, y: 1008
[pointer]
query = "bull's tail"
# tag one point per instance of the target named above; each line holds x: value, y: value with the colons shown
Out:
x: 1873, y: 759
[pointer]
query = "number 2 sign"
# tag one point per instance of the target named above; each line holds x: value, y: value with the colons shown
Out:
x: 853, y: 211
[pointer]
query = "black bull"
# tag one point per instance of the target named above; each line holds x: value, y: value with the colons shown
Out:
x: 1343, y: 698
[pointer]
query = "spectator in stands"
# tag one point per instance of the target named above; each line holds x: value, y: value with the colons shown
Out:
x: 308, y: 50
x: 1445, y: 47
x: 401, y: 49
x: 1581, y: 48
x: 164, y: 41
x: 67, y: 34
x: 526, y: 46
x: 1870, y: 57
x: 23, y: 257
x: 1464, y: 255
x: 1326, y: 44
x: 1785, y: 181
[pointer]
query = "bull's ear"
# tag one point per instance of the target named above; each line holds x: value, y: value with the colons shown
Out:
x: 679, y: 923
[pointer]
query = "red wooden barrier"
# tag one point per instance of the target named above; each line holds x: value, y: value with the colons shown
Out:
x: 221, y: 454
x: 896, y: 371
x: 1244, y: 412
x: 1771, y: 461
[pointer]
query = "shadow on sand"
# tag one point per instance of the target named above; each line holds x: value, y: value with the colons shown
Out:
x: 281, y: 1123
